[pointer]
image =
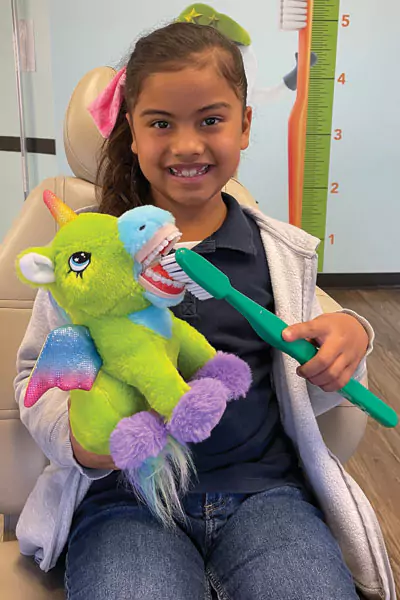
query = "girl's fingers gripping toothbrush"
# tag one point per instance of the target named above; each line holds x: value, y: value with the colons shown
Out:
x: 204, y: 281
x: 296, y: 15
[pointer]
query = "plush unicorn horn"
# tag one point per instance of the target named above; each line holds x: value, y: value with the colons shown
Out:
x: 60, y: 211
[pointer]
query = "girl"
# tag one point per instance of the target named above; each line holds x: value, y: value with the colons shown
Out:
x: 272, y: 514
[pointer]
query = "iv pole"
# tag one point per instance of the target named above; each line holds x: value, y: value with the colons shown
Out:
x: 17, y: 60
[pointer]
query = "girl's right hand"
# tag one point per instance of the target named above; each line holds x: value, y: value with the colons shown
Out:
x: 89, y: 459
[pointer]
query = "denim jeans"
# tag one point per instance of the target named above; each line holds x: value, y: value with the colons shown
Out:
x: 271, y: 545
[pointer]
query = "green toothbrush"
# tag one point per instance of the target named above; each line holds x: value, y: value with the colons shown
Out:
x: 211, y: 282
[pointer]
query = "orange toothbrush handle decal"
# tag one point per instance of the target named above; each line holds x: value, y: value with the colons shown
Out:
x: 297, y: 128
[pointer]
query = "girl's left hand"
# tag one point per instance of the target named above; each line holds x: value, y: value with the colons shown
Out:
x: 342, y: 343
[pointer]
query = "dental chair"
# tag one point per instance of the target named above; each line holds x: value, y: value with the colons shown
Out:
x: 21, y: 461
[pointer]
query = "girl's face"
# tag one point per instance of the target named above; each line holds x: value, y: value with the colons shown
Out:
x: 188, y: 130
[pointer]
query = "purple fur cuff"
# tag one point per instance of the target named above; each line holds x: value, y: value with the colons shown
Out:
x: 137, y: 438
x: 230, y: 370
x: 198, y: 411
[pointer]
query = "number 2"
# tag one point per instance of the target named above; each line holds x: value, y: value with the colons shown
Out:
x: 334, y: 188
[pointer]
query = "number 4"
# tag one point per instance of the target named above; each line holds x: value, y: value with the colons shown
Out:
x: 342, y: 79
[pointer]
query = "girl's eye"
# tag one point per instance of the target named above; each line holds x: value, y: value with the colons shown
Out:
x: 161, y: 124
x: 211, y: 121
x: 79, y: 261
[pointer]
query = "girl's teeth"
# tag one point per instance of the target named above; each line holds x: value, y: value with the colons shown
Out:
x: 189, y: 172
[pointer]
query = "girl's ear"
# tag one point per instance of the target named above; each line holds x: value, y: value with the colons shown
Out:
x: 133, y: 145
x: 35, y: 267
x: 246, y: 126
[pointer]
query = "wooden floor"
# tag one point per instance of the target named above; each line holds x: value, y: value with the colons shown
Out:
x: 376, y: 465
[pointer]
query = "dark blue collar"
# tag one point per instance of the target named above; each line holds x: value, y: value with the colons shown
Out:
x: 235, y: 232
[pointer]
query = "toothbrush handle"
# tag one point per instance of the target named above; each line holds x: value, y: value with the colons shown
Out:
x: 369, y: 403
x: 297, y: 126
x: 270, y: 327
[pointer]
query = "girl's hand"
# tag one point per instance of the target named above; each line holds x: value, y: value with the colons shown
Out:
x: 89, y: 459
x: 343, y: 343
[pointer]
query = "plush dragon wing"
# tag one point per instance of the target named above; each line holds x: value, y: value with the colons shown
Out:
x: 68, y: 360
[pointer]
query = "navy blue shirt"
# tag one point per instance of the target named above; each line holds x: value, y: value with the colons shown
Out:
x: 248, y: 451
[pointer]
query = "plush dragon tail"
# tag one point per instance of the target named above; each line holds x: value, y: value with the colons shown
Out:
x: 160, y: 482
x: 155, y: 465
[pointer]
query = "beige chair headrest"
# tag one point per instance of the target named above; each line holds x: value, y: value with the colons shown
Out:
x: 82, y: 141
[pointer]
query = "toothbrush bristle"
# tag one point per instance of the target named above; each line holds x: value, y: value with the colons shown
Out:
x: 171, y: 266
x: 293, y: 14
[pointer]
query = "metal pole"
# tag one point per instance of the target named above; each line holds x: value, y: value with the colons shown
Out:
x: 17, y: 54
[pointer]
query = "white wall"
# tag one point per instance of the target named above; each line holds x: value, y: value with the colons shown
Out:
x: 365, y: 215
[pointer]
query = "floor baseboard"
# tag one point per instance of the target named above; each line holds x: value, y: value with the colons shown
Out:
x: 358, y: 280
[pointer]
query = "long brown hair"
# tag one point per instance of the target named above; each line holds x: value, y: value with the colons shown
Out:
x: 120, y: 181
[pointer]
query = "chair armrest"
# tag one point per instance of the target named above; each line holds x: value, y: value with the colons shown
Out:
x: 21, y: 463
x: 342, y: 427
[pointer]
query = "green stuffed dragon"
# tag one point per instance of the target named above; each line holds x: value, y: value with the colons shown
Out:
x: 143, y: 384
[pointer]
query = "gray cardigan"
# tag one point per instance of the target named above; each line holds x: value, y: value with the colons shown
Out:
x: 45, y: 521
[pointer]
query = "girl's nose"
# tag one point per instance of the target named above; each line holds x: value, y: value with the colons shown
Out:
x: 187, y: 144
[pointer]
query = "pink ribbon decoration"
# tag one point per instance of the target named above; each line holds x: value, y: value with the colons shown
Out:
x: 105, y: 108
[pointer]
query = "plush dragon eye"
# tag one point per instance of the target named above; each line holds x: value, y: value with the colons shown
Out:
x: 79, y: 261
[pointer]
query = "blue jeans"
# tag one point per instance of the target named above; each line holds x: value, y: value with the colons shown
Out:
x: 271, y: 545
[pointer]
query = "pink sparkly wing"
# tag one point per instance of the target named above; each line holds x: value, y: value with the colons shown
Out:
x: 68, y: 360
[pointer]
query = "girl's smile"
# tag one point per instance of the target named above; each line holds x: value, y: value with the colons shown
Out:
x: 190, y: 173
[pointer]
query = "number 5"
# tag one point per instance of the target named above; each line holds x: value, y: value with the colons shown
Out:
x: 345, y: 20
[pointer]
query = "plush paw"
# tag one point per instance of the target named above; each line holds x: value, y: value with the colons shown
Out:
x: 198, y: 411
x: 137, y: 438
x: 230, y: 370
